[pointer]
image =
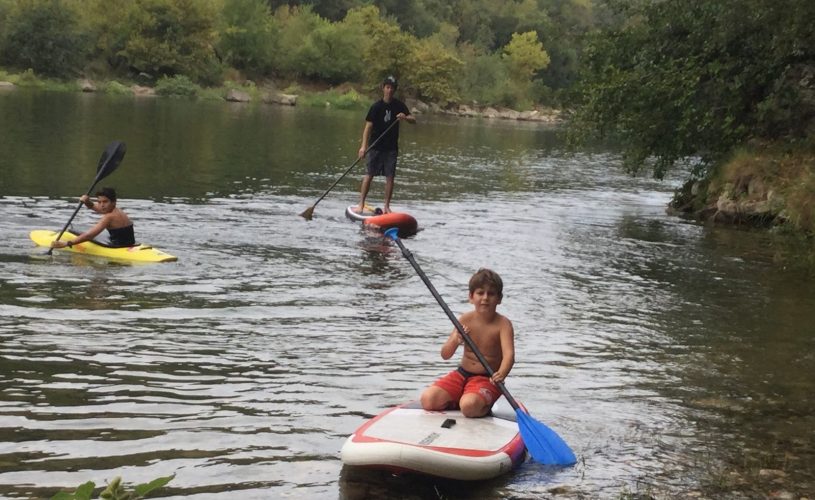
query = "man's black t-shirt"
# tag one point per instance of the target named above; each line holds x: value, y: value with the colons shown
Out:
x: 381, y: 115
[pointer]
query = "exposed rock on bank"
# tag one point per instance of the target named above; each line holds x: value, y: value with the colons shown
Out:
x: 544, y: 115
x: 758, y: 188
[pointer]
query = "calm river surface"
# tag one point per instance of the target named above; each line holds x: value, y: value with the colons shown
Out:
x: 676, y: 359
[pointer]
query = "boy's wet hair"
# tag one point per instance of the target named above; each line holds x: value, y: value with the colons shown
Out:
x: 486, y: 277
x: 108, y: 193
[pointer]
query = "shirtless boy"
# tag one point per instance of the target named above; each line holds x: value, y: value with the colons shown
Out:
x: 469, y: 388
x: 113, y: 219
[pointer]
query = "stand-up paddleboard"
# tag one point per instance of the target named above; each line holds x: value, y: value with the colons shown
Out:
x: 135, y: 253
x: 439, y: 443
x: 373, y: 218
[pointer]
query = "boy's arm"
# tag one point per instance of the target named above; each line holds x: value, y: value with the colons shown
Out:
x: 507, y: 334
x: 92, y: 232
x: 453, y: 341
x: 86, y: 236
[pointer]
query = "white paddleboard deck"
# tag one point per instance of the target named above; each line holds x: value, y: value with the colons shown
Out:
x: 445, y: 444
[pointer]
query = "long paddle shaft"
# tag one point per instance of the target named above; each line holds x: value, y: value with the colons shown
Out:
x: 110, y: 159
x: 542, y: 442
x: 307, y: 213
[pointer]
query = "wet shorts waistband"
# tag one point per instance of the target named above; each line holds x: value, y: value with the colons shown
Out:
x: 467, y: 374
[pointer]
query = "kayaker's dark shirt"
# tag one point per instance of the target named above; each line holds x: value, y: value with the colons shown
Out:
x: 122, y: 236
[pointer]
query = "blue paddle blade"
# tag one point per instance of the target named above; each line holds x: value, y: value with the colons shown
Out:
x: 543, y: 443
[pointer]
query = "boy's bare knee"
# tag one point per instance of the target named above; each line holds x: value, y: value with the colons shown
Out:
x: 474, y: 407
x: 433, y: 400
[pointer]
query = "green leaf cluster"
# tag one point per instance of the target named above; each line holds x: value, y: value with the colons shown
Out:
x: 681, y: 80
x: 43, y: 35
x: 115, y: 490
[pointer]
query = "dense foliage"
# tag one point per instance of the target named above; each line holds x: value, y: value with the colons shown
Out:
x: 679, y: 79
x: 43, y: 35
x: 510, y: 52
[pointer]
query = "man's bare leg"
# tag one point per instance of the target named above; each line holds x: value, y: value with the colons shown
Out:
x: 363, y: 192
x: 388, y: 193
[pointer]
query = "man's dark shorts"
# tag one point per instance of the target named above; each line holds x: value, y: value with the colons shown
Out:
x: 382, y: 163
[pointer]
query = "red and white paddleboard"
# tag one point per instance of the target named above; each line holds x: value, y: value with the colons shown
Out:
x: 374, y: 218
x: 444, y: 443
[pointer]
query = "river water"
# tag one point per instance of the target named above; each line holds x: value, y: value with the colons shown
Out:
x: 676, y: 359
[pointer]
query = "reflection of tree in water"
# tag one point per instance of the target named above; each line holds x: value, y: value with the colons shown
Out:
x: 729, y: 328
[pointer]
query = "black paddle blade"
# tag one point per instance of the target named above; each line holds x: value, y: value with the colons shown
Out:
x: 111, y: 158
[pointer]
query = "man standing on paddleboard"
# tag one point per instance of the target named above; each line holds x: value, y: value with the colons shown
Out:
x: 379, y: 124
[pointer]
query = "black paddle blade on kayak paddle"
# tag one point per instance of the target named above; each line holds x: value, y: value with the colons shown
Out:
x: 543, y: 443
x: 111, y: 158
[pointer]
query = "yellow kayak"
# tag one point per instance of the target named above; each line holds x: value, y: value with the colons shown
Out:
x: 136, y: 253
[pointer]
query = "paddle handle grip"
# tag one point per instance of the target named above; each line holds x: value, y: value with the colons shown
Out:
x: 393, y: 234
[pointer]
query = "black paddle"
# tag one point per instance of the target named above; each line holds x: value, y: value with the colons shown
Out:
x: 110, y: 159
x: 309, y: 212
x: 543, y: 443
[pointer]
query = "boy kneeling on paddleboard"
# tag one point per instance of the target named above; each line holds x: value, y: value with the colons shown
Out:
x: 468, y: 387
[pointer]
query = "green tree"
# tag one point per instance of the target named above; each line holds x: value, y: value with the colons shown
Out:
x: 562, y: 32
x: 523, y: 56
x: 332, y: 10
x: 484, y: 78
x: 43, y: 35
x: 106, y: 22
x: 434, y: 71
x: 474, y: 21
x: 248, y: 36
x: 298, y: 55
x: 387, y: 48
x: 687, y: 78
x: 336, y: 50
x: 171, y: 37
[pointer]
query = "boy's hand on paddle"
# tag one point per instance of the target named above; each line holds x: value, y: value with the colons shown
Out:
x: 58, y: 244
x: 460, y: 336
x: 498, y: 377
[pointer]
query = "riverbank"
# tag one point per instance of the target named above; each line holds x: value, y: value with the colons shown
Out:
x: 344, y: 96
x: 769, y: 186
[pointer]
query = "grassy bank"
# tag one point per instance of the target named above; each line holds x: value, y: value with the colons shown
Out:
x: 760, y: 185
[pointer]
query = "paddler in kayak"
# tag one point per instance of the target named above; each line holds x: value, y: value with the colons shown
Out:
x: 118, y: 224
x: 468, y: 387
